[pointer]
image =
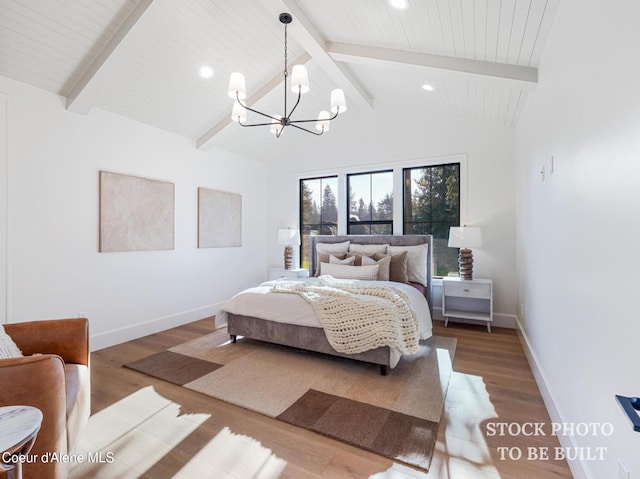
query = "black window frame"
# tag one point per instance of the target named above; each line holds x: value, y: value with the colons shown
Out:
x: 361, y: 225
x: 322, y: 227
x: 441, y: 236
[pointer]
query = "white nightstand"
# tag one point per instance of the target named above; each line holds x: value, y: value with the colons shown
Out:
x: 279, y: 273
x: 467, y: 299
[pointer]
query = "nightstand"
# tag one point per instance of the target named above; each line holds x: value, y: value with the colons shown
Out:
x: 294, y: 273
x: 467, y: 299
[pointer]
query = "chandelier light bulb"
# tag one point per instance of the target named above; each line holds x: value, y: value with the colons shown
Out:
x: 323, y: 122
x: 238, y: 113
x: 299, y: 79
x: 338, y: 101
x: 237, y: 86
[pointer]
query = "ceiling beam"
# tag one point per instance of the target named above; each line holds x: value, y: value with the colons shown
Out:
x: 524, y: 77
x: 135, y: 34
x: 252, y: 100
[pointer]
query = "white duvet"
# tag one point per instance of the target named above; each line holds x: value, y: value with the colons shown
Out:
x: 260, y: 302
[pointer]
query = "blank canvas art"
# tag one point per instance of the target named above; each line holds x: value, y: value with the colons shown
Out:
x: 136, y: 214
x: 219, y: 219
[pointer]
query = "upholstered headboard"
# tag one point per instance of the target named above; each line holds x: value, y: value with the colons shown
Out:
x: 394, y: 240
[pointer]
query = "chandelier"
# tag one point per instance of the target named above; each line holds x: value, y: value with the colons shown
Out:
x: 299, y: 85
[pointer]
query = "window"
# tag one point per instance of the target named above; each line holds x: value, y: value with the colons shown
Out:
x: 431, y: 205
x: 370, y: 203
x: 318, y: 211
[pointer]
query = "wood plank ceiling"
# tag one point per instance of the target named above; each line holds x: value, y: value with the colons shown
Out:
x: 140, y: 58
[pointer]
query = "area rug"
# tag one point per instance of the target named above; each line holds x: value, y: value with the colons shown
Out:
x: 395, y: 416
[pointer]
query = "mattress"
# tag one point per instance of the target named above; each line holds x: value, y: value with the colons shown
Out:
x: 260, y: 302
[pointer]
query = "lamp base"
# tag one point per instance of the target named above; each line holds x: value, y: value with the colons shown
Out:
x: 288, y: 257
x: 465, y: 263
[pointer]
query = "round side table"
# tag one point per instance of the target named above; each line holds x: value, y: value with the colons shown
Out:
x: 19, y: 426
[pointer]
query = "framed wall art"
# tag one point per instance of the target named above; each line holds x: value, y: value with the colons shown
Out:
x: 219, y: 219
x: 136, y: 214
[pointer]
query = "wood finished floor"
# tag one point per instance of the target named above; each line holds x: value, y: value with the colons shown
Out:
x: 183, y: 429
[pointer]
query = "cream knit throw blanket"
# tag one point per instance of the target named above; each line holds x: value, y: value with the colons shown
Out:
x: 357, y: 316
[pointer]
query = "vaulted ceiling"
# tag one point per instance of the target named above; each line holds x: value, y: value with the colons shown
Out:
x: 140, y: 58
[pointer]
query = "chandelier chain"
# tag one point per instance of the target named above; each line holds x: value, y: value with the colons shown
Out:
x: 285, y: 53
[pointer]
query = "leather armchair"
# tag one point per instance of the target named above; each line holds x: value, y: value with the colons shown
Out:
x: 53, y: 376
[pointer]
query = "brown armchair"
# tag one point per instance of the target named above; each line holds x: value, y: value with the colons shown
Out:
x: 53, y: 376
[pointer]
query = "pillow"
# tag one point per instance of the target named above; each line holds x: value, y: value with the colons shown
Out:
x: 333, y: 248
x: 368, y: 273
x: 324, y: 250
x: 350, y: 260
x: 384, y: 263
x: 367, y: 249
x: 8, y: 349
x: 397, y: 266
x: 416, y: 261
x: 358, y: 258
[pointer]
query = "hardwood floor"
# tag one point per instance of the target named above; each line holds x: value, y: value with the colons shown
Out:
x: 146, y: 427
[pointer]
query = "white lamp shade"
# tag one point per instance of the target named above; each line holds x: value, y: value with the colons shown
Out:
x: 337, y: 100
x: 288, y: 236
x: 323, y: 122
x: 237, y: 86
x: 276, y: 127
x: 465, y: 237
x: 299, y: 79
x: 238, y: 113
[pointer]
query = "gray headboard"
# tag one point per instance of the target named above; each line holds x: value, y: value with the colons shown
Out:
x: 394, y: 240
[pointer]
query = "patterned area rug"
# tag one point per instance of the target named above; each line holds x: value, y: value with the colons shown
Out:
x: 395, y: 416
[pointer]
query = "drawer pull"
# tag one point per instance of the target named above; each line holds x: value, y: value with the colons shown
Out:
x: 466, y: 290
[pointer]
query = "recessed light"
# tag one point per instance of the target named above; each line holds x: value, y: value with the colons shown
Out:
x: 427, y: 87
x: 399, y: 4
x: 206, y: 71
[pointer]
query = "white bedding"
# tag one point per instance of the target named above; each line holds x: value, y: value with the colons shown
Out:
x: 260, y: 302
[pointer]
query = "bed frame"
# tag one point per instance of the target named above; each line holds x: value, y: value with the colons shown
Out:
x: 314, y: 339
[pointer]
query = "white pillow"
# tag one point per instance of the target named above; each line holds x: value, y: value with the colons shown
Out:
x: 341, y: 271
x: 384, y: 263
x: 368, y: 249
x: 416, y: 261
x: 333, y: 248
x: 8, y: 349
x: 336, y: 260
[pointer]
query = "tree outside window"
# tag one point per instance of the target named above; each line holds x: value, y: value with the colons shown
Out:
x: 370, y: 203
x: 318, y: 211
x: 431, y: 206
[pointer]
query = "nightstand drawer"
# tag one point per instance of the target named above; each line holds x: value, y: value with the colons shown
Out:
x: 467, y: 290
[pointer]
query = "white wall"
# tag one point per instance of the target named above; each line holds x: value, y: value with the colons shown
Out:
x: 577, y: 230
x: 362, y: 141
x: 54, y: 269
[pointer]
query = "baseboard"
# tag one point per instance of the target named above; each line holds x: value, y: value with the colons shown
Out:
x: 577, y: 467
x: 138, y: 330
x: 500, y: 320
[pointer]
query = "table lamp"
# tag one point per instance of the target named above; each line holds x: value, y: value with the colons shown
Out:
x: 288, y: 237
x: 465, y: 238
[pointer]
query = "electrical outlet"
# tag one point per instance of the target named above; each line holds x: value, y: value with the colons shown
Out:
x: 623, y: 472
x: 522, y: 309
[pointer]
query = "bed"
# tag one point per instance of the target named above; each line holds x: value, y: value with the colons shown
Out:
x: 288, y: 319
